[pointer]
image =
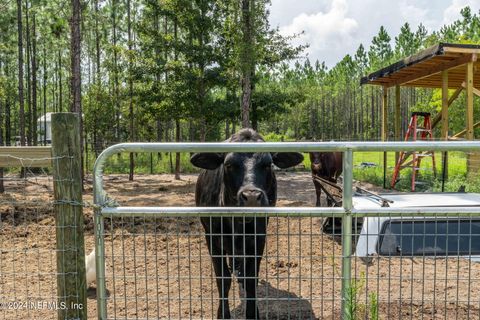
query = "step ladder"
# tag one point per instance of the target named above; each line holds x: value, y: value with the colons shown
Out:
x: 415, y: 132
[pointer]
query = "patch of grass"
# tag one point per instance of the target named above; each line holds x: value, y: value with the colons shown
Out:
x: 356, y: 308
x: 457, y: 168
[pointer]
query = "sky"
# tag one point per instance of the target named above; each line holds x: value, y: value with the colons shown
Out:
x: 334, y: 28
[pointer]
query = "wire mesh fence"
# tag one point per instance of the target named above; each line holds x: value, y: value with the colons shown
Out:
x: 28, y: 264
x: 161, y: 268
x: 158, y: 263
x: 423, y: 268
x: 42, y: 267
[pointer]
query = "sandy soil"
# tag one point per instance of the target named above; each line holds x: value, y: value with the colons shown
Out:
x: 160, y: 268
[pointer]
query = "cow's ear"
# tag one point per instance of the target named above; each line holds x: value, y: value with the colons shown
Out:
x: 285, y: 160
x: 207, y: 160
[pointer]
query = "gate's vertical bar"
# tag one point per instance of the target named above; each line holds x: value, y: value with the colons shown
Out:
x: 100, y: 265
x: 67, y: 183
x: 347, y: 298
x: 99, y: 200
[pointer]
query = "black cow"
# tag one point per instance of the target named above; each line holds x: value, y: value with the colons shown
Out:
x: 326, y: 165
x: 238, y: 180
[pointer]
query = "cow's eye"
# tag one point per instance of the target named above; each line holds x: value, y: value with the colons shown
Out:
x: 229, y: 165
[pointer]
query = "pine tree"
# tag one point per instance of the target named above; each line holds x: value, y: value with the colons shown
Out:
x: 380, y: 52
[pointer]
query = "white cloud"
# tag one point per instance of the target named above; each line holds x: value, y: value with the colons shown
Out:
x: 414, y: 14
x: 452, y: 12
x: 324, y: 31
x: 334, y: 28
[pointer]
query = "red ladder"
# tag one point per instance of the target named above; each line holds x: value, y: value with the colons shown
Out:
x: 425, y: 134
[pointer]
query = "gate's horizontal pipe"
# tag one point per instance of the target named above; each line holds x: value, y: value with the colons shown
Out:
x: 221, y: 211
x: 286, y: 212
x: 292, y: 146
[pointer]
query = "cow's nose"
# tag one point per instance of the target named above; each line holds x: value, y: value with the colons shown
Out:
x: 251, y: 197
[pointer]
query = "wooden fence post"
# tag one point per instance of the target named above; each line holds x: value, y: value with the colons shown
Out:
x: 67, y: 182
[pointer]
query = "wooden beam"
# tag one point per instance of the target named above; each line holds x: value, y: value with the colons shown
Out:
x: 26, y: 157
x: 398, y: 119
x: 462, y: 133
x: 444, y: 113
x: 384, y: 113
x: 469, y: 83
x: 431, y: 71
x: 454, y: 96
x: 475, y: 90
x: 444, y: 135
x: 461, y: 50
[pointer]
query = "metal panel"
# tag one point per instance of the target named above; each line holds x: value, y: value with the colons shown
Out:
x: 105, y: 208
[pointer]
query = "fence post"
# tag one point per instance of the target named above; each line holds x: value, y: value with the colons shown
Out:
x: 67, y: 182
x: 347, y: 294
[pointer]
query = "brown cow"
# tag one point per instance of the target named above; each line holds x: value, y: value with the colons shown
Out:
x: 326, y: 165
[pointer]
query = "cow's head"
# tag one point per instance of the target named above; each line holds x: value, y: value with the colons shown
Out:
x: 316, y: 161
x: 248, y: 178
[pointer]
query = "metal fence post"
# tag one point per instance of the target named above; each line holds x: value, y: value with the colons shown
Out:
x: 67, y: 182
x: 347, y: 299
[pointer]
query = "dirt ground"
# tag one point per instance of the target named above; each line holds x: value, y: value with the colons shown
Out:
x: 160, y: 267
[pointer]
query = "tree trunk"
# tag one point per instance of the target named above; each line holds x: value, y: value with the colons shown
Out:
x: 323, y: 115
x: 247, y: 59
x: 115, y: 71
x: 34, y: 83
x: 29, y: 78
x: 254, y: 117
x: 97, y: 45
x: 2, y: 188
x: 75, y: 55
x: 75, y: 58
x: 177, y: 155
x: 227, y: 129
x: 20, y: 73
x: 8, y: 133
x: 60, y: 91
x: 130, y: 88
x: 44, y: 96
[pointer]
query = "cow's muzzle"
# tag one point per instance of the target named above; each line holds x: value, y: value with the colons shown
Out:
x: 252, y: 197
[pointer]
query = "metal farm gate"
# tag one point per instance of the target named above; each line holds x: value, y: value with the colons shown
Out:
x: 152, y: 262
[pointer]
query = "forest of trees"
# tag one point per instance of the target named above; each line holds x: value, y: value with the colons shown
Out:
x: 193, y: 70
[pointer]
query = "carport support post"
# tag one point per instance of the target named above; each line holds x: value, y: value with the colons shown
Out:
x: 384, y: 132
x: 398, y: 120
x: 348, y: 300
x: 445, y: 105
x: 67, y: 183
x: 469, y: 125
x: 469, y: 84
